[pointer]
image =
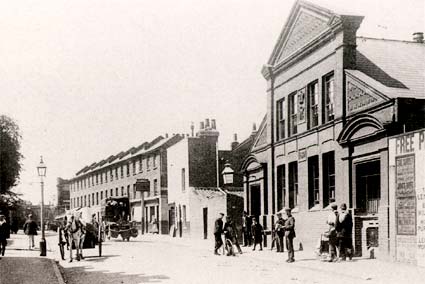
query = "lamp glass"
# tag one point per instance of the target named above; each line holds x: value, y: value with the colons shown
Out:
x: 41, y: 168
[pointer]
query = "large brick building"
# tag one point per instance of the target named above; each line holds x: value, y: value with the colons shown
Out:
x: 333, y: 99
x: 63, y: 199
x: 197, y: 191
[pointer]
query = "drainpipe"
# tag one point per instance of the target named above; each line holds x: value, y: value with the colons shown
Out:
x: 272, y: 148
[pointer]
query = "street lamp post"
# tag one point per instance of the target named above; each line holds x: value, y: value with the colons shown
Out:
x: 41, y: 169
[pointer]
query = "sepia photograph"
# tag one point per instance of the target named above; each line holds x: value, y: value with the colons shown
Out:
x: 214, y: 141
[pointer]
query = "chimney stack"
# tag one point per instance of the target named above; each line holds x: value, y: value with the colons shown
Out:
x: 166, y: 135
x: 213, y: 126
x: 235, y: 142
x: 418, y: 37
x: 192, y: 128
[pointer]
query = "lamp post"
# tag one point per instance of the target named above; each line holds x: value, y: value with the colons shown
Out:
x: 41, y: 169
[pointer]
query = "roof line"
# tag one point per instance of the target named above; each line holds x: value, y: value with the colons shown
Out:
x: 388, y: 39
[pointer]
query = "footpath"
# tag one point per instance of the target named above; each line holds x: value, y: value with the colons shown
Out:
x: 23, y: 266
x: 360, y: 270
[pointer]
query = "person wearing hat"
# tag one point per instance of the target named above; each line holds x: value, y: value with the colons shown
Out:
x: 332, y: 234
x: 30, y: 229
x: 230, y: 233
x: 218, y: 230
x: 246, y: 229
x: 4, y: 234
x: 290, y: 235
x: 344, y: 228
x: 257, y: 233
x: 280, y: 232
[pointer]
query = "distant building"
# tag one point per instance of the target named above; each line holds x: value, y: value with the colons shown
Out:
x: 63, y: 195
x: 333, y: 99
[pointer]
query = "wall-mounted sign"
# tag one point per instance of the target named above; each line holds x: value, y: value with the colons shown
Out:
x: 302, y: 155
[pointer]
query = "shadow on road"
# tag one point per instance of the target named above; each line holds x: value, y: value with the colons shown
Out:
x: 84, y: 274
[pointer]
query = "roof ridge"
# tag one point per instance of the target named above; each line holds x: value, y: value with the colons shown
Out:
x: 388, y: 39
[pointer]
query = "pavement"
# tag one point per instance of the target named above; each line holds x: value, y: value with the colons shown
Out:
x: 163, y: 259
x: 22, y: 265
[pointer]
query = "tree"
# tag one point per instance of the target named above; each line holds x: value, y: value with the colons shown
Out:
x: 10, y: 156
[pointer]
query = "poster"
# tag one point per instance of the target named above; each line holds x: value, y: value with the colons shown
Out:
x: 405, y: 195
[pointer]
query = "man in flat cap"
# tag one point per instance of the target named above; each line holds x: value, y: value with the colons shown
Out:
x: 290, y: 235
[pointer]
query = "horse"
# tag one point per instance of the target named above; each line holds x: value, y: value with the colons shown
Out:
x: 76, y: 235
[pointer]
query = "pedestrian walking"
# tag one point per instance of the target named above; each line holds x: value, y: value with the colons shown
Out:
x: 344, y: 228
x: 218, y: 230
x: 30, y: 229
x: 230, y: 233
x: 290, y: 235
x: 280, y: 232
x: 257, y: 233
x: 332, y: 233
x: 246, y: 229
x: 4, y: 234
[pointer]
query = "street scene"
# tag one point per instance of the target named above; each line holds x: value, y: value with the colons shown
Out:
x: 216, y: 142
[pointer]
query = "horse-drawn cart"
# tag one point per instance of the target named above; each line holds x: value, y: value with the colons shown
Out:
x: 76, y: 231
x: 116, y: 217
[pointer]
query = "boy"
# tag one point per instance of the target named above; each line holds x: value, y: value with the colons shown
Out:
x: 257, y: 233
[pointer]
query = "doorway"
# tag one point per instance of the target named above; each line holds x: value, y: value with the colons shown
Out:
x: 205, y: 217
x: 255, y: 201
x: 368, y: 186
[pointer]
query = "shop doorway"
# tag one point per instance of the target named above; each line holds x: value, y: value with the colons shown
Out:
x: 255, y: 201
x: 368, y: 186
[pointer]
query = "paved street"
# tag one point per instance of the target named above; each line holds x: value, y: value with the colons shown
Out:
x: 162, y: 259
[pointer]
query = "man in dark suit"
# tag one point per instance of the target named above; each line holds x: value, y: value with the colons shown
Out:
x: 290, y: 235
x: 344, y: 228
x: 218, y: 230
x: 246, y: 228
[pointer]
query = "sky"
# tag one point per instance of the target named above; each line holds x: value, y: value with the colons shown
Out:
x: 88, y: 79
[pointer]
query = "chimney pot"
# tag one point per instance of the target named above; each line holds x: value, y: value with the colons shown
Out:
x: 192, y: 128
x: 207, y: 123
x: 213, y: 126
x: 235, y: 137
x: 418, y: 37
x: 254, y: 127
x: 166, y: 135
x: 201, y: 125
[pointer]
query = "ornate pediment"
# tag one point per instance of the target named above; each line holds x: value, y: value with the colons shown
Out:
x: 360, y: 96
x: 304, y: 29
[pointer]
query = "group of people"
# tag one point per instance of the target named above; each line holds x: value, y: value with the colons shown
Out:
x: 253, y: 233
x: 339, y: 233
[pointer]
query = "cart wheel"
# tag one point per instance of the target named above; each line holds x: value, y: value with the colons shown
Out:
x: 100, y: 249
x: 128, y: 239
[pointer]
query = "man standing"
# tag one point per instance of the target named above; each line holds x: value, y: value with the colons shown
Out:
x: 218, y: 230
x: 4, y: 234
x: 30, y: 229
x: 333, y: 242
x: 290, y: 235
x: 257, y: 233
x: 280, y: 232
x: 246, y: 228
x: 344, y: 228
x: 231, y: 234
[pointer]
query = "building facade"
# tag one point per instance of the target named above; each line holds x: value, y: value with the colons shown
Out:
x: 333, y: 99
x: 117, y: 176
x: 197, y: 191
